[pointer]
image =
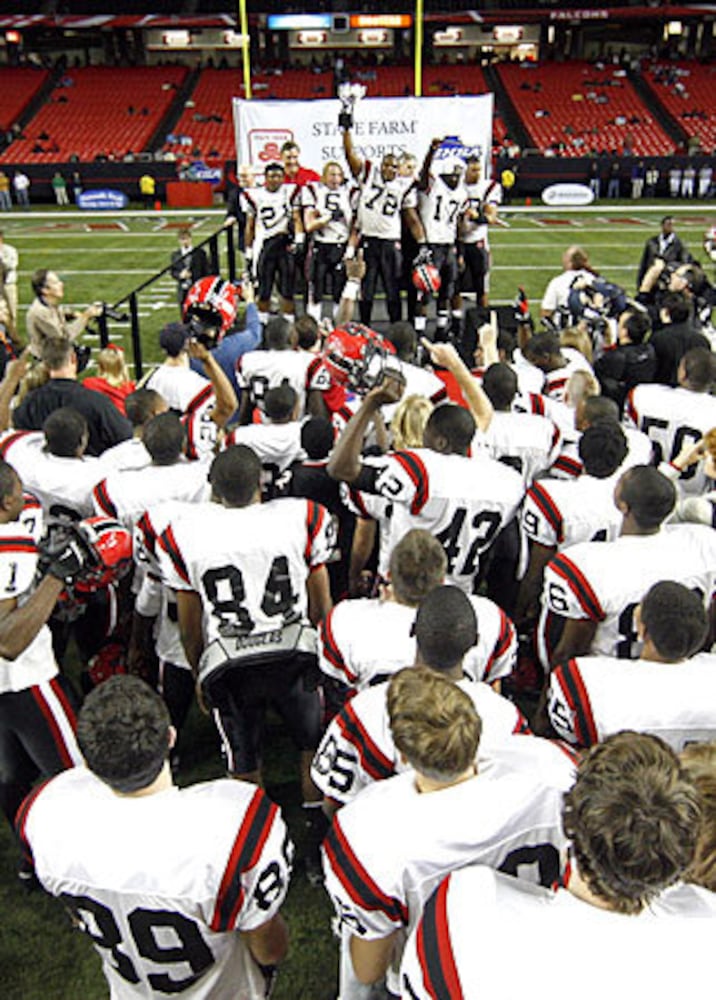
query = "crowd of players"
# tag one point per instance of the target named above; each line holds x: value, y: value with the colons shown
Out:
x: 400, y: 553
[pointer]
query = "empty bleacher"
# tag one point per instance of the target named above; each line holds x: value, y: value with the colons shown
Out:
x: 687, y: 90
x: 575, y: 108
x: 19, y: 86
x: 88, y: 114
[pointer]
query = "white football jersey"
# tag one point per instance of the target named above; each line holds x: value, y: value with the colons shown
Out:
x: 272, y: 210
x: 483, y: 192
x: 259, y: 371
x: 277, y: 445
x: 443, y: 959
x: 526, y: 442
x: 568, y: 464
x: 463, y: 502
x: 686, y: 900
x: 164, y: 884
x: 357, y: 748
x: 177, y: 384
x: 441, y: 208
x: 673, y: 418
x: 126, y: 495
x: 129, y: 454
x: 335, y: 202
x: 388, y: 849
x: 558, y: 513
x: 18, y: 565
x: 249, y: 565
x: 557, y: 291
x: 591, y: 697
x: 381, y: 202
x: 62, y: 485
x: 604, y: 581
x: 364, y: 641
x: 555, y: 382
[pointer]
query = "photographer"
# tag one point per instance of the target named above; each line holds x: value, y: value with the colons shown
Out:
x: 630, y: 361
x: 47, y: 320
x: 676, y: 336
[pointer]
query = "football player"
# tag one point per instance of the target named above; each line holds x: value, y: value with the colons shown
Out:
x: 178, y: 889
x: 592, y: 589
x: 274, y: 235
x: 448, y: 811
x: 463, y: 501
x: 442, y: 203
x: 544, y: 351
x: 633, y: 820
x: 37, y: 703
x: 362, y: 642
x: 385, y: 197
x: 259, y: 371
x: 127, y: 493
x: 248, y: 591
x: 674, y: 417
x: 485, y: 198
x: 140, y: 405
x: 669, y: 691
x: 328, y: 215
x: 558, y: 513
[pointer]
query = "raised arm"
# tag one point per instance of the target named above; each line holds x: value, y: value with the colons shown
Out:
x: 479, y: 405
x: 354, y: 160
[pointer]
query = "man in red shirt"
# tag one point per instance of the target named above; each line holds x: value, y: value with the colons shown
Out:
x: 295, y: 173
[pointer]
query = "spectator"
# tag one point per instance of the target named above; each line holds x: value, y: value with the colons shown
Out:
x: 21, y: 183
x: 47, y: 320
x: 148, y: 190
x: 105, y: 425
x: 188, y: 265
x: 59, y: 186
x: 112, y: 377
x: 5, y: 199
x: 666, y: 246
x: 614, y: 185
x: 9, y: 260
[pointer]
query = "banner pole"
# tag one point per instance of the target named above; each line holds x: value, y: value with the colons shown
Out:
x: 418, y: 34
x: 245, y: 48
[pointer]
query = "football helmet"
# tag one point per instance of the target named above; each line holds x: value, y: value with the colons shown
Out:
x: 710, y: 243
x: 110, y: 660
x: 110, y: 547
x: 210, y: 308
x: 426, y: 278
x: 356, y: 356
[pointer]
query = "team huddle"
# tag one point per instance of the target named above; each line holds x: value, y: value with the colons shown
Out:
x: 479, y: 597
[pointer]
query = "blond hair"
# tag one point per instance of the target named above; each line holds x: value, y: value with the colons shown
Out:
x: 417, y: 565
x: 111, y: 365
x: 578, y: 339
x: 435, y: 725
x: 409, y: 420
x: 699, y: 762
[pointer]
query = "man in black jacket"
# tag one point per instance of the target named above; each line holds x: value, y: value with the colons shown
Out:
x: 105, y: 423
x: 188, y: 265
x: 631, y: 361
x: 667, y: 246
x: 677, y: 336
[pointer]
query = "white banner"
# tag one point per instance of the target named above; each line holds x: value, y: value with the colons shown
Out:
x: 382, y: 125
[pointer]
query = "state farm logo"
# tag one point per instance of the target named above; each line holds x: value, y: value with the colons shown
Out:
x: 265, y: 144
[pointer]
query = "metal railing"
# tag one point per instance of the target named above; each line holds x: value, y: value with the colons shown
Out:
x: 126, y: 309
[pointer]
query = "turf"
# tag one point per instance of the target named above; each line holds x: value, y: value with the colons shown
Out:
x: 41, y: 957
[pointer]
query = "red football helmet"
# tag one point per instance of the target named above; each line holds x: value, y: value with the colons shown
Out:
x: 355, y: 356
x: 210, y: 306
x: 426, y: 278
x: 111, y: 545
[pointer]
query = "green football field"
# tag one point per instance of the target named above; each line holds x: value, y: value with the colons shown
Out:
x: 105, y: 257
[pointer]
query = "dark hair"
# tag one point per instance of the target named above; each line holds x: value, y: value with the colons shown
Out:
x: 317, y: 437
x: 602, y: 448
x: 675, y: 619
x: 306, y: 329
x: 506, y: 342
x: 638, y: 325
x: 290, y: 144
x: 633, y: 818
x: 8, y: 478
x: 39, y: 280
x: 280, y: 402
x: 235, y: 475
x: 123, y: 733
x: 445, y: 627
x: 163, y: 437
x: 64, y: 430
x: 677, y: 306
x: 649, y: 495
x: 274, y: 168
x: 277, y: 334
x: 453, y: 423
x: 141, y: 405
x: 699, y: 369
x: 500, y: 385
x: 597, y: 408
x: 542, y: 345
x: 56, y: 352
x: 667, y: 218
x: 417, y: 565
x: 403, y: 338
